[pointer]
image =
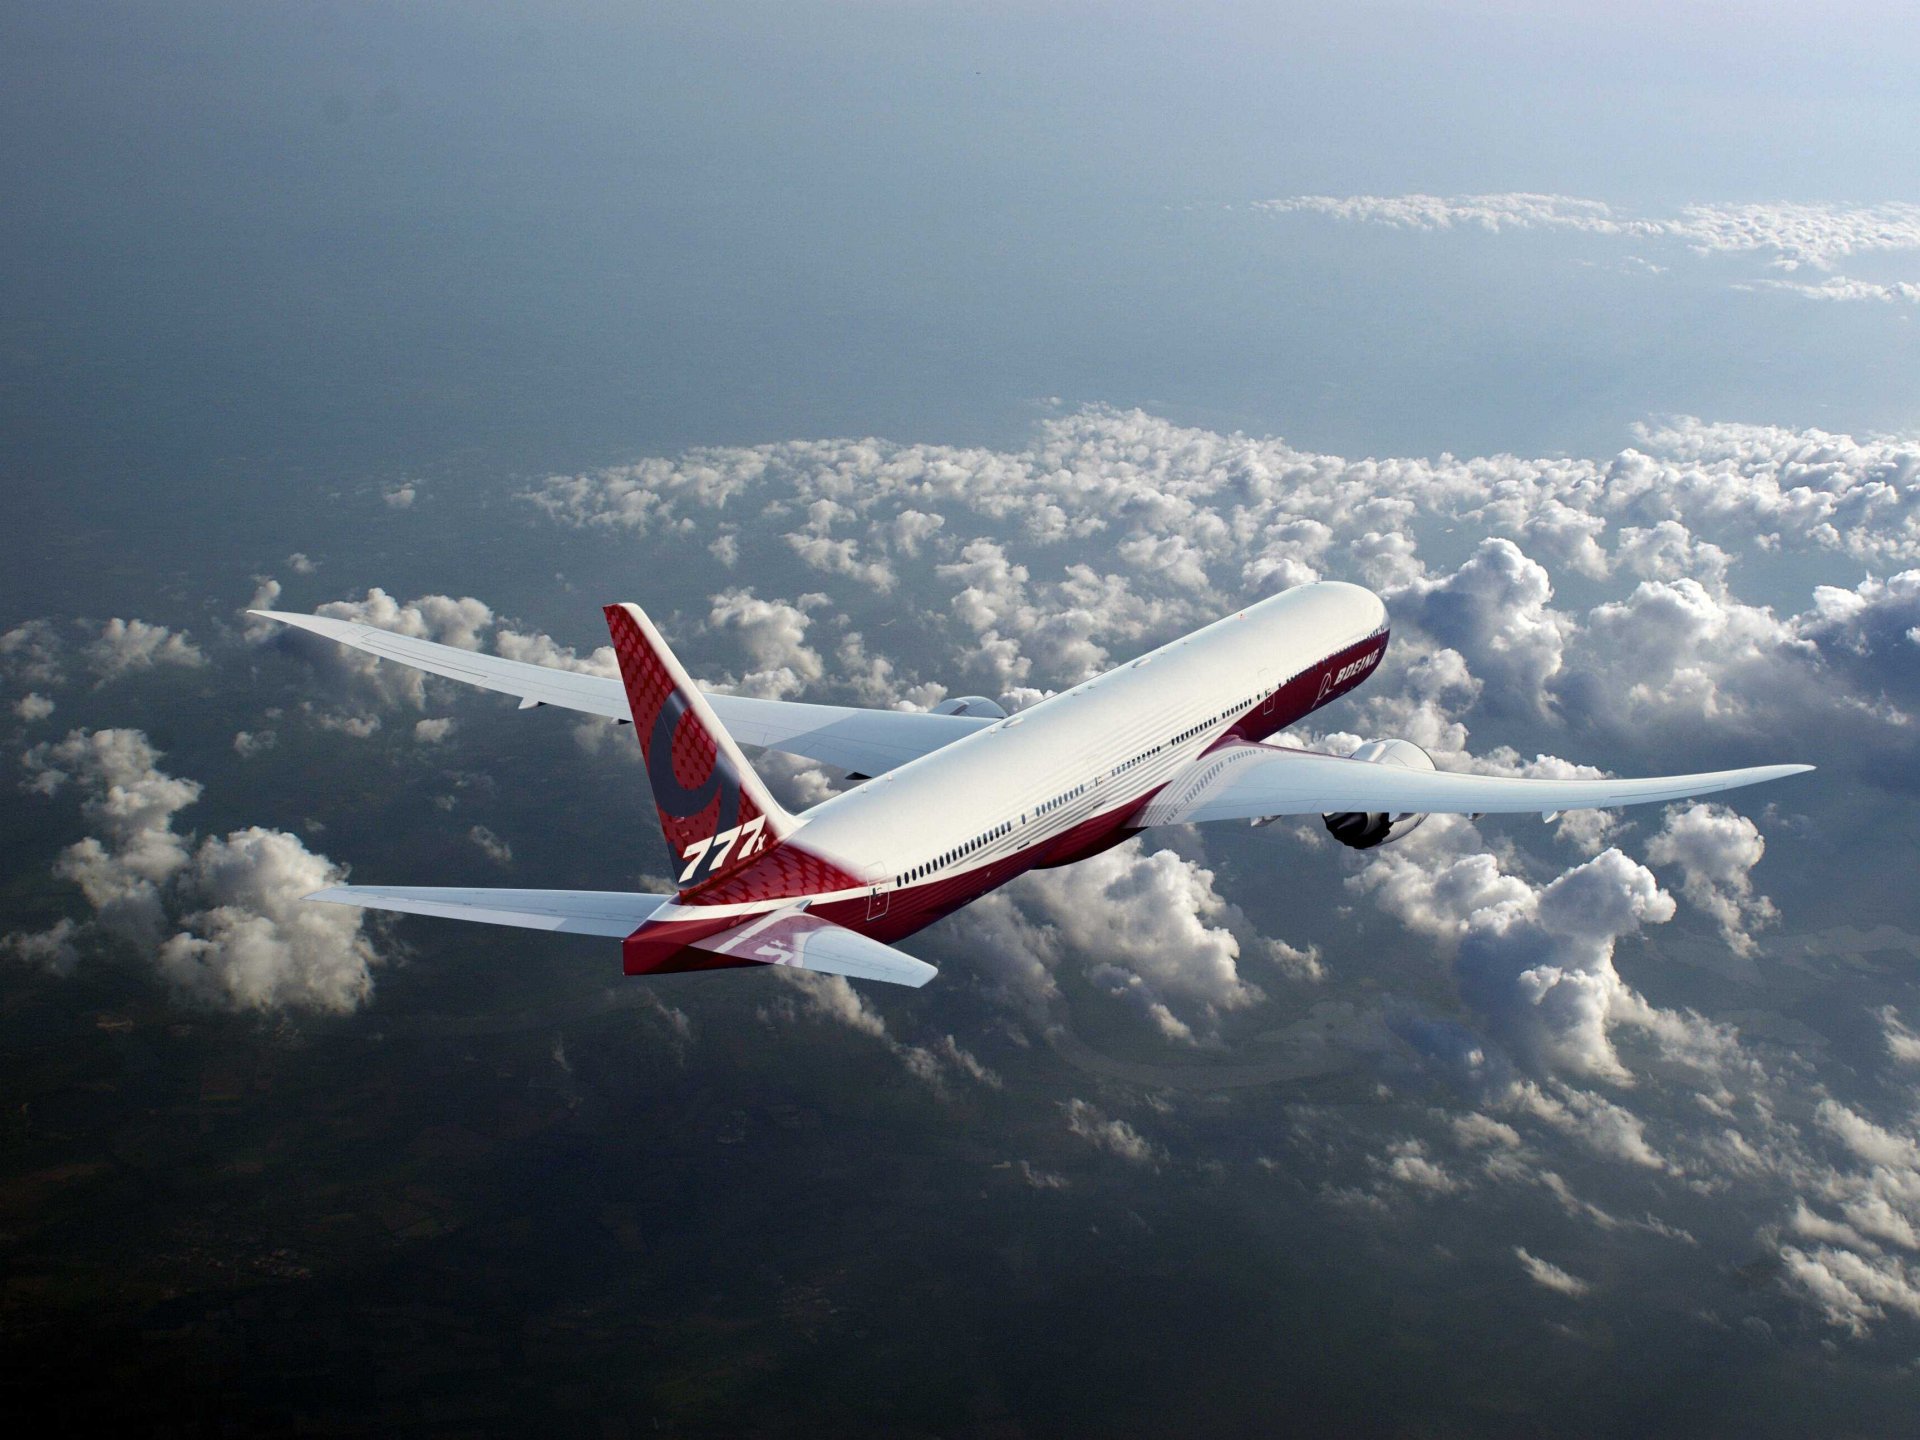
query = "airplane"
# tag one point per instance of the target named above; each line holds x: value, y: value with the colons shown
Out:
x: 953, y: 803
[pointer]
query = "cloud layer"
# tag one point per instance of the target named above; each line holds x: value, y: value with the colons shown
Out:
x: 1787, y: 236
x: 1648, y: 609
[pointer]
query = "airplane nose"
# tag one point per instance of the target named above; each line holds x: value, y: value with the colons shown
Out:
x: 1361, y: 604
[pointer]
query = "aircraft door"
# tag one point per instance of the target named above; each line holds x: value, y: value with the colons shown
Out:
x: 877, y: 901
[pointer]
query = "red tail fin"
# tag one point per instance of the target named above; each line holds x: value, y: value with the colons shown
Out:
x: 716, y: 813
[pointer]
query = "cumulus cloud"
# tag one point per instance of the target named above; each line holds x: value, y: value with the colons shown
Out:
x: 533, y: 648
x: 1716, y: 850
x: 1060, y: 630
x: 773, y: 633
x: 51, y: 949
x: 125, y: 869
x: 1147, y: 928
x: 1855, y: 1227
x: 126, y: 646
x: 1846, y: 288
x: 366, y: 683
x: 1535, y: 962
x: 842, y: 557
x: 30, y: 654
x: 251, y: 942
x: 1408, y: 1165
x: 1116, y: 1137
x: 249, y: 743
x: 1496, y: 608
x: 443, y: 619
x: 832, y: 999
x: 1903, y: 1044
x: 241, y: 938
x: 1541, y: 971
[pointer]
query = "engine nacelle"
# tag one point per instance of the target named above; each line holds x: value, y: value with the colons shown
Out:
x: 1361, y: 829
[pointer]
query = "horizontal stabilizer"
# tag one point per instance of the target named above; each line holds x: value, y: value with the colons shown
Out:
x: 1250, y: 781
x: 786, y: 937
x: 564, y: 912
x: 806, y: 942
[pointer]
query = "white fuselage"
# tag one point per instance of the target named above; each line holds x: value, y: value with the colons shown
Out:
x: 1088, y: 750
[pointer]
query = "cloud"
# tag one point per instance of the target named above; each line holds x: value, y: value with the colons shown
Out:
x: 30, y: 654
x: 1116, y: 1137
x: 126, y: 646
x: 51, y: 949
x: 532, y: 648
x: 241, y: 937
x: 1902, y: 1043
x: 1550, y: 1276
x: 364, y: 680
x: 1787, y: 235
x: 33, y: 707
x: 125, y: 869
x: 491, y: 845
x: 1060, y: 630
x: 1856, y: 1208
x: 1853, y: 1290
x: 249, y: 743
x: 1155, y: 933
x: 773, y: 634
x: 1715, y: 850
x: 1495, y: 607
x: 1535, y: 962
x: 1146, y: 927
x: 1408, y: 1165
x: 1841, y: 287
x: 1512, y: 210
x: 253, y: 943
x: 831, y: 998
x: 1541, y: 972
x: 842, y: 557
x: 443, y: 619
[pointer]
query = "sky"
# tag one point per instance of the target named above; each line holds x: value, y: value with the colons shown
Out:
x: 889, y: 352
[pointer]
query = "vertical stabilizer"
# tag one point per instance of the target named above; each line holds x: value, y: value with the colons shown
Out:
x: 716, y: 813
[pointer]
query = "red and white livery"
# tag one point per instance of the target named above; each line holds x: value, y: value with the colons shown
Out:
x: 956, y: 804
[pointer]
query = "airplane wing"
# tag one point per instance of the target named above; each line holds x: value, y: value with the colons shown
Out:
x: 564, y: 912
x: 869, y: 742
x: 1251, y: 781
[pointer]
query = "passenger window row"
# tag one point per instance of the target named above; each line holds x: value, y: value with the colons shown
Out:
x: 958, y: 852
x: 1048, y: 806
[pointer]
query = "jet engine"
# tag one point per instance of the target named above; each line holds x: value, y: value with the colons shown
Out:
x: 1361, y: 829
